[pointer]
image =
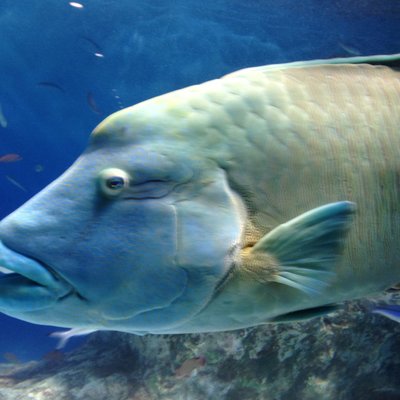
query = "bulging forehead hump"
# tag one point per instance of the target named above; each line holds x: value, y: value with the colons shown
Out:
x: 155, y: 118
x: 198, y: 113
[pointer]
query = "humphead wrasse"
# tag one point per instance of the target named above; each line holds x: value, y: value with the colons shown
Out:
x: 268, y: 195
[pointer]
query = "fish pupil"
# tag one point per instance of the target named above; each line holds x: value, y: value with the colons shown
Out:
x: 115, y: 183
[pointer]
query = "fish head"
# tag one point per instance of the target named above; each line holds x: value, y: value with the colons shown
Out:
x: 137, y: 235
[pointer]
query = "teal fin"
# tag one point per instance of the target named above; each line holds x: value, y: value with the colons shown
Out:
x: 64, y: 336
x: 391, y: 60
x: 303, y: 315
x: 303, y: 252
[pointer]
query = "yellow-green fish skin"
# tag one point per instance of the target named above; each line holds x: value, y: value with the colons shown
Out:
x: 291, y: 139
x: 253, y: 152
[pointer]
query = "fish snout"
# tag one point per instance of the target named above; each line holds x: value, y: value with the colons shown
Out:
x: 26, y: 283
x: 29, y: 230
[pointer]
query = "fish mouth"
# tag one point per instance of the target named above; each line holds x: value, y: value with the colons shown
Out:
x: 27, y: 284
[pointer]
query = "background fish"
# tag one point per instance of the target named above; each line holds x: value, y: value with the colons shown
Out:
x: 51, y: 85
x: 15, y: 183
x: 98, y: 51
x: 389, y: 311
x: 92, y: 103
x: 188, y: 366
x: 10, y: 157
x: 3, y: 120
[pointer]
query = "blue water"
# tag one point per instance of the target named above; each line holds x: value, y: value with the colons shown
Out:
x: 149, y: 47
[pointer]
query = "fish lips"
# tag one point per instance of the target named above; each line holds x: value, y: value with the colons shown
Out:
x: 27, y: 284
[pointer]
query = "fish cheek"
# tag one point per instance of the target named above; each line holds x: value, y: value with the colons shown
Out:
x: 147, y: 275
x: 189, y: 240
x: 209, y: 232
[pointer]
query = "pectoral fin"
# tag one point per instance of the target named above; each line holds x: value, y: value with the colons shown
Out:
x: 302, y: 252
x: 64, y: 336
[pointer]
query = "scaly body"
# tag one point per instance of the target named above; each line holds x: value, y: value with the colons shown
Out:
x: 244, y: 200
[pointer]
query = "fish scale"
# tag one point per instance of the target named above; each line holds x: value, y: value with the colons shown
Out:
x: 315, y: 129
x: 322, y: 134
x: 306, y: 116
x: 297, y: 119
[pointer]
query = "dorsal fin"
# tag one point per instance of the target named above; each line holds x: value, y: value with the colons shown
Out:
x: 392, y: 61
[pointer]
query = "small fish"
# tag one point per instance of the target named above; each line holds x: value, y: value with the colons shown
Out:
x: 389, y: 311
x: 15, y: 183
x: 39, y: 168
x: 11, y: 157
x: 3, y: 121
x: 92, y: 103
x: 352, y: 51
x: 98, y: 50
x: 76, y: 5
x: 51, y: 85
x: 189, y: 366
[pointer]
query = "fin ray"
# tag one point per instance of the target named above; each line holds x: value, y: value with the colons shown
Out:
x: 302, y: 252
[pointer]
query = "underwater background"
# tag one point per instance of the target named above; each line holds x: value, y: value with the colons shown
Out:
x: 65, y: 66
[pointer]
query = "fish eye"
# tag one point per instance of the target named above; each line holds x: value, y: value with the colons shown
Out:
x: 113, y: 181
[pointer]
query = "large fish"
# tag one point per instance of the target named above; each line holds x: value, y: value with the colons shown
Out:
x: 270, y: 194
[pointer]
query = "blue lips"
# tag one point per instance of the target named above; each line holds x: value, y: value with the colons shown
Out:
x: 29, y: 286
